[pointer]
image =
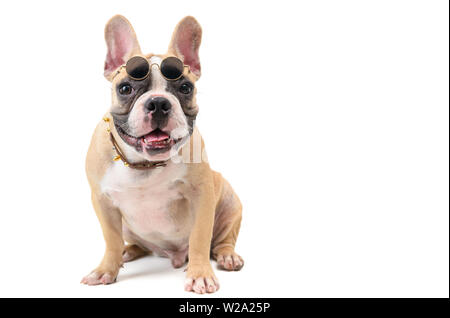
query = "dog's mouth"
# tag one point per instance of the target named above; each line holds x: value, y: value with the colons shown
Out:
x: 156, y: 141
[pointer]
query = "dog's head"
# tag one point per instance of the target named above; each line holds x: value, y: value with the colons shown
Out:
x: 155, y: 116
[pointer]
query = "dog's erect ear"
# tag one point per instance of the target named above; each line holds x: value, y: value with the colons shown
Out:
x: 121, y: 42
x: 185, y: 43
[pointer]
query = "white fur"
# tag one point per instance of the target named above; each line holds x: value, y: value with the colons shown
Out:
x: 159, y: 83
x: 143, y: 198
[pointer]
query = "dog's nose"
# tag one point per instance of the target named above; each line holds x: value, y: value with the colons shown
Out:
x: 158, y: 105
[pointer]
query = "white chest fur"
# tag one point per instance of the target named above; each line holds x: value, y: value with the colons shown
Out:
x: 144, y: 199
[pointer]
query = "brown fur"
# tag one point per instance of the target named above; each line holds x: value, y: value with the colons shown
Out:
x: 217, y: 209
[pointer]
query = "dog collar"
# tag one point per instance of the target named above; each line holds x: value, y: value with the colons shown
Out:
x: 121, y: 156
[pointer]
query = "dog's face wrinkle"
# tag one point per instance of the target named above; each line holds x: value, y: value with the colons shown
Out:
x: 139, y: 88
x: 186, y: 100
x: 121, y: 121
x: 190, y: 121
x: 127, y: 101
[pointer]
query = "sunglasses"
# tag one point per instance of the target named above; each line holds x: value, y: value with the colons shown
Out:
x: 138, y: 68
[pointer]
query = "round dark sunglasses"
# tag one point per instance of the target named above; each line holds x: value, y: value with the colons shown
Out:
x: 138, y: 68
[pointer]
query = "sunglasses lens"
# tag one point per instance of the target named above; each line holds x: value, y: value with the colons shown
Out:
x: 172, y: 68
x: 137, y: 67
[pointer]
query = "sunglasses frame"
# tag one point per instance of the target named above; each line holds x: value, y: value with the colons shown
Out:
x: 150, y: 69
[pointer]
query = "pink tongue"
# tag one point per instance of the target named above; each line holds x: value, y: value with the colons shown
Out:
x: 156, y: 135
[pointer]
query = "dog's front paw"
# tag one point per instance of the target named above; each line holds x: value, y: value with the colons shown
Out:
x: 201, y: 279
x: 100, y: 277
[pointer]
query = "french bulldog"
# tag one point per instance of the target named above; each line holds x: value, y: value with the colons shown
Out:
x: 152, y: 188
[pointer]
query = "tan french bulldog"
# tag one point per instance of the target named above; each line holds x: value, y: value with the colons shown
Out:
x: 151, y: 184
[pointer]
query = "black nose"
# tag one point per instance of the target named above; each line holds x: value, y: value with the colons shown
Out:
x: 158, y: 105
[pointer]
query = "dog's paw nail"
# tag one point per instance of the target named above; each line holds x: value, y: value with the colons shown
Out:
x: 201, y: 285
x: 98, y: 278
x: 232, y: 262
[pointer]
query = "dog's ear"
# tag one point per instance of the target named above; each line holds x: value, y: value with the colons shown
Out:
x: 185, y: 43
x: 121, y: 42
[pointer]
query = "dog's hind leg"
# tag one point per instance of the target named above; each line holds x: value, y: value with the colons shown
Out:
x: 226, y: 229
x: 133, y: 252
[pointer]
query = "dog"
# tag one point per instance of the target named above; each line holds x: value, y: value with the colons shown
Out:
x: 150, y: 191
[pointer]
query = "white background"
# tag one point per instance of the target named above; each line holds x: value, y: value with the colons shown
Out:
x: 329, y: 118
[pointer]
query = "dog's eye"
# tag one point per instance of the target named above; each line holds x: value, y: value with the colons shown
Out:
x: 125, y: 89
x: 186, y: 88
